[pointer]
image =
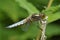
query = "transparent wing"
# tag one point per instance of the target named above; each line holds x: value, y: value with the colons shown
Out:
x: 25, y: 27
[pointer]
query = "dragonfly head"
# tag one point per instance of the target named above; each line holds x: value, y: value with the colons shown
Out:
x: 38, y: 16
x: 42, y: 16
x: 35, y: 17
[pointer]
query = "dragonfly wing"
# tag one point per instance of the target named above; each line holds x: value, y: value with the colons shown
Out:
x: 25, y: 27
x: 16, y: 24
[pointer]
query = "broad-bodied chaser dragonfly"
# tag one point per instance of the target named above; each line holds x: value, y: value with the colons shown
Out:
x: 33, y: 17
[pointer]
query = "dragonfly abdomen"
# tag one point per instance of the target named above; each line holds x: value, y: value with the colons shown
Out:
x: 17, y: 24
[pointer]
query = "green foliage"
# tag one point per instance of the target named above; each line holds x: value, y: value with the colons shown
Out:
x: 12, y: 11
x: 53, y: 13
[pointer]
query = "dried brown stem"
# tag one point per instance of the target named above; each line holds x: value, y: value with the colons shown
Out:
x: 41, y: 35
x: 43, y: 25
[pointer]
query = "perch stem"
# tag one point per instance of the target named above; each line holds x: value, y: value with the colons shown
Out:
x: 41, y: 35
x: 38, y: 36
x: 49, y: 4
x: 43, y: 27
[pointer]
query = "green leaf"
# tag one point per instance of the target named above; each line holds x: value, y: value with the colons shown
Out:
x: 52, y: 13
x: 12, y: 9
x: 52, y: 29
x: 28, y: 6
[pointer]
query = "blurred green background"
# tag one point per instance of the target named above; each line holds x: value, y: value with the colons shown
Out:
x: 12, y: 11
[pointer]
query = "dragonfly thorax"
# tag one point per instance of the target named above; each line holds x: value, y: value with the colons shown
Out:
x: 37, y: 17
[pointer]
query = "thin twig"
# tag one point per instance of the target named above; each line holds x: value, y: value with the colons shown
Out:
x: 38, y: 36
x: 43, y: 27
x: 41, y: 35
x: 49, y: 4
x: 43, y: 22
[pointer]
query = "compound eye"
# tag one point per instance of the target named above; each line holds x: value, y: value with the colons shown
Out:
x: 42, y: 16
x: 36, y: 17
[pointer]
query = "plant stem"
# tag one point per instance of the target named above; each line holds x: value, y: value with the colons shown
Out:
x: 49, y: 4
x: 43, y: 27
x: 38, y: 36
x: 41, y: 35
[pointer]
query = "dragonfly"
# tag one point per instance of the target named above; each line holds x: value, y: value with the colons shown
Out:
x: 33, y: 17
